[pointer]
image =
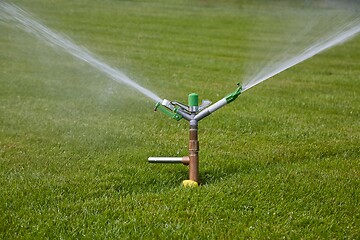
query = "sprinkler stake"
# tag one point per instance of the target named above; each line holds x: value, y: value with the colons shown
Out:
x: 193, y: 113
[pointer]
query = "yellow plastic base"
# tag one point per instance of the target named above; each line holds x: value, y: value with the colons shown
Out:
x: 190, y: 183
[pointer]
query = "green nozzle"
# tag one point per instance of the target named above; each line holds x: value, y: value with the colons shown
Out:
x: 193, y: 100
x: 232, y: 96
x: 175, y: 116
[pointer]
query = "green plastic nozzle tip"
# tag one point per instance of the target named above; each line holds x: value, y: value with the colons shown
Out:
x: 232, y: 96
x: 193, y: 100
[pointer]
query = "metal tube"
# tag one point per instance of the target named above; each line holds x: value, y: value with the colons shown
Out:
x: 183, y: 114
x: 194, y: 152
x: 183, y: 160
x: 207, y: 111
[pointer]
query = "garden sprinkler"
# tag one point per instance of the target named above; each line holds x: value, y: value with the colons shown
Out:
x: 192, y: 113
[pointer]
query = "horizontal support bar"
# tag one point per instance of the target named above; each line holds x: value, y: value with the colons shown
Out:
x: 183, y: 160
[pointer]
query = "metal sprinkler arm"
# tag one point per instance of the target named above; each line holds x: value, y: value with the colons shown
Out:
x: 180, y: 105
x: 219, y: 104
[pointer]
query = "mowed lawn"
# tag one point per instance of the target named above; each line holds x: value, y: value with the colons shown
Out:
x: 282, y: 161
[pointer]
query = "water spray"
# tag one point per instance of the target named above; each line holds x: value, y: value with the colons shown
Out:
x: 11, y: 12
x: 192, y: 113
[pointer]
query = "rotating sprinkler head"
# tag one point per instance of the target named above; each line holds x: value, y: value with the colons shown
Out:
x: 193, y: 113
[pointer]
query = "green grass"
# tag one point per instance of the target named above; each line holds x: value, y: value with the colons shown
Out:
x: 281, y: 161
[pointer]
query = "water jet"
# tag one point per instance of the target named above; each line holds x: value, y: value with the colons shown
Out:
x: 193, y: 113
x: 25, y: 21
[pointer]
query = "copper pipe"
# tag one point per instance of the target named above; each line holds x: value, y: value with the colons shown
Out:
x: 185, y: 160
x: 194, y: 152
